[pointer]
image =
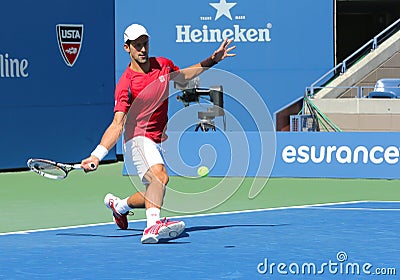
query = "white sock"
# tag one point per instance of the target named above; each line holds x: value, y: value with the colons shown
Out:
x: 152, y: 215
x: 122, y: 206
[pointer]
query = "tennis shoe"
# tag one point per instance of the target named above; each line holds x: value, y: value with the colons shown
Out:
x: 163, y: 230
x: 111, y: 201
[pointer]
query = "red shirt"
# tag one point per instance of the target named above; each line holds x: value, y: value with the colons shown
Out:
x: 144, y: 97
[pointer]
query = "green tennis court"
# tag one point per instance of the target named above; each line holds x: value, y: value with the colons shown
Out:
x: 29, y: 201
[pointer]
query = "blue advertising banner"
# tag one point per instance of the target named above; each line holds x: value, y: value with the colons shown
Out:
x: 338, y: 155
x: 56, y: 79
x: 285, y: 154
x: 282, y: 45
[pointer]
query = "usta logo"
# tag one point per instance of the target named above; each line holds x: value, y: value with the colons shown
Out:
x: 70, y: 34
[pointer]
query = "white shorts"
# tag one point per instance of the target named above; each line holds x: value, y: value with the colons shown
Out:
x: 142, y: 153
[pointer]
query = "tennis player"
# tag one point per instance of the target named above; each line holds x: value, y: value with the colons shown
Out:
x: 143, y: 92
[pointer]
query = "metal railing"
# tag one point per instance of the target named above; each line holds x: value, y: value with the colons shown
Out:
x: 361, y: 91
x: 343, y: 66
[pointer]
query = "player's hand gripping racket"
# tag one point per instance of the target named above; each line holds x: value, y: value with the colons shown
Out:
x: 53, y: 170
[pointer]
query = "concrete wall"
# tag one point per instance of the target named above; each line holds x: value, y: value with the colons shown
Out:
x: 362, y: 114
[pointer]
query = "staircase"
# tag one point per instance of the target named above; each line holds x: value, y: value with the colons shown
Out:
x: 341, y: 94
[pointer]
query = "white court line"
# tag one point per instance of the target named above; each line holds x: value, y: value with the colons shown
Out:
x: 354, y: 209
x: 361, y: 208
x: 308, y: 206
x: 50, y: 229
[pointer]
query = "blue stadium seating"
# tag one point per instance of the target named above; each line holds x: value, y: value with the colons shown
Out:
x: 386, y: 88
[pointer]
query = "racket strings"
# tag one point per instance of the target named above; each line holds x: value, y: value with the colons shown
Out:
x: 49, y: 169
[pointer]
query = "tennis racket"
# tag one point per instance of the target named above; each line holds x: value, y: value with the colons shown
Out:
x: 53, y: 170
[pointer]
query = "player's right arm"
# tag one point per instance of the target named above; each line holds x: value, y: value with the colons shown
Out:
x: 109, y: 139
x: 195, y: 70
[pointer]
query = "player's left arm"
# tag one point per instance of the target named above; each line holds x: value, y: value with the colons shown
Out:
x: 195, y: 70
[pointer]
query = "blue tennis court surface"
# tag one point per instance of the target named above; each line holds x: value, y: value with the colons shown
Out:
x: 357, y: 240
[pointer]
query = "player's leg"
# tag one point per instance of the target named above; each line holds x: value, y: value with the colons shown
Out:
x: 156, y: 179
x: 119, y: 215
x: 157, y: 229
x: 122, y: 207
x: 141, y: 155
x: 137, y: 200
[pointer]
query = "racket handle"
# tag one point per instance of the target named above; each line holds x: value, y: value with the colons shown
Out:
x: 91, y: 165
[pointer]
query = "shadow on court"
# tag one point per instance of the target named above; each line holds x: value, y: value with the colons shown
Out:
x: 185, y: 234
x: 201, y: 228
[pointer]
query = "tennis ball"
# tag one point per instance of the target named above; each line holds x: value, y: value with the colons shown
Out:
x: 202, y: 171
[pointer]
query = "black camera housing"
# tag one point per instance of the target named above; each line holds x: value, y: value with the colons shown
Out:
x: 216, y: 97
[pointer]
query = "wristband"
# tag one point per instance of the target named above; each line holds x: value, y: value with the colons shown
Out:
x: 208, y: 62
x: 100, y: 152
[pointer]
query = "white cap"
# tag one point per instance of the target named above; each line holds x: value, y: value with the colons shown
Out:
x: 134, y: 31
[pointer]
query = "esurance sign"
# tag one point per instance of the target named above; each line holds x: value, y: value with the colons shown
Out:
x: 340, y: 154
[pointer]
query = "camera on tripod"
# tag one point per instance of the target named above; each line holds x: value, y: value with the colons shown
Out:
x: 192, y: 93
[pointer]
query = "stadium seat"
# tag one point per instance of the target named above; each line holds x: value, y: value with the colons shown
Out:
x: 386, y: 88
